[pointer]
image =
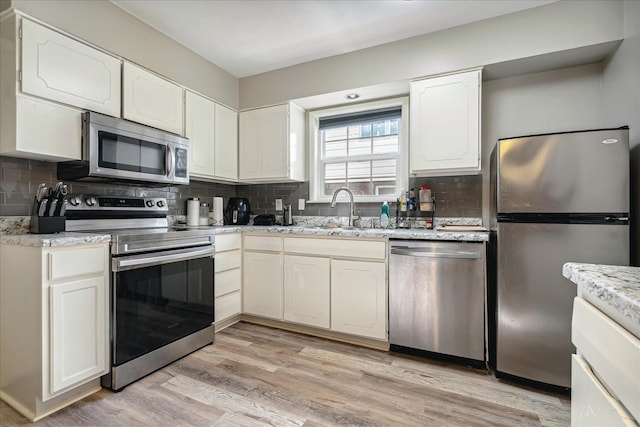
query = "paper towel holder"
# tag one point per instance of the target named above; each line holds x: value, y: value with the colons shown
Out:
x: 217, y: 213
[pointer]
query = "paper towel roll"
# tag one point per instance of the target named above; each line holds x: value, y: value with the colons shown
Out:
x: 216, y: 214
x: 193, y: 211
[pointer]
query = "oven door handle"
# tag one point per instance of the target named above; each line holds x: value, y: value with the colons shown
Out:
x: 145, y: 260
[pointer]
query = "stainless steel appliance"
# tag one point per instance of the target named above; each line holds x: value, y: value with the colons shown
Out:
x: 162, y: 283
x: 437, y: 294
x: 558, y: 198
x: 117, y: 149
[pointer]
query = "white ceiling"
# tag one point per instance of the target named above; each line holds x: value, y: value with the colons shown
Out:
x: 248, y: 37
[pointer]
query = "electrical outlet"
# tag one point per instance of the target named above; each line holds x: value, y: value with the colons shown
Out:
x: 278, y: 204
x: 300, y: 204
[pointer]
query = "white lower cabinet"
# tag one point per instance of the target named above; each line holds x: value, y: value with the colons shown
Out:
x: 605, y: 374
x: 335, y: 284
x: 228, y: 277
x: 54, y: 316
x: 306, y: 290
x: 262, y: 276
x: 78, y: 331
x: 358, y: 298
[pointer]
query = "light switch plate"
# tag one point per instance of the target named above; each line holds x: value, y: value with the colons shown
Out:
x: 300, y: 204
x: 278, y: 204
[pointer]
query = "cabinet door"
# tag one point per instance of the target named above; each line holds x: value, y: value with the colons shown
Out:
x: 358, y: 298
x: 250, y: 145
x: 275, y: 142
x: 264, y: 143
x: 200, y: 128
x: 61, y: 69
x: 226, y: 143
x: 57, y: 137
x: 262, y: 284
x: 445, y: 124
x: 152, y: 100
x: 306, y: 290
x: 78, y: 332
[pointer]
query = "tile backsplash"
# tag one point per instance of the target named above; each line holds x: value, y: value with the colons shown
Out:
x: 456, y: 196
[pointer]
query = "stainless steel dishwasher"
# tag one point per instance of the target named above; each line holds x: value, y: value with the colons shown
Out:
x: 437, y: 298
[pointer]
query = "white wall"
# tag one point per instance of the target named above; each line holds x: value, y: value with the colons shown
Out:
x: 621, y: 104
x: 555, y: 27
x: 105, y: 25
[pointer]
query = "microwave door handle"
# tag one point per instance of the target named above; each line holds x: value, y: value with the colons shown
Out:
x: 170, y: 160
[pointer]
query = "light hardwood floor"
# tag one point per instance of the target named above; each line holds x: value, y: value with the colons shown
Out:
x: 255, y: 375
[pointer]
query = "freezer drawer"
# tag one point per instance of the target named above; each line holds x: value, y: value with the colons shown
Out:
x: 535, y: 301
x: 437, y: 297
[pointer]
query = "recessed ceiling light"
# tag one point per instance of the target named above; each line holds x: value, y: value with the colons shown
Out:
x: 352, y: 96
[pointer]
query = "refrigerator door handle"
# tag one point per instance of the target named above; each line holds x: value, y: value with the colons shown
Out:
x: 615, y: 218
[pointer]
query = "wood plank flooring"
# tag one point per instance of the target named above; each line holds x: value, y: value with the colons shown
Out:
x: 255, y: 375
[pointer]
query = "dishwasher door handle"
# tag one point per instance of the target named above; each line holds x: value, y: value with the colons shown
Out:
x: 430, y: 254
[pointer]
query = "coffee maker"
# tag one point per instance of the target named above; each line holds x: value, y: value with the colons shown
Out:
x: 238, y: 211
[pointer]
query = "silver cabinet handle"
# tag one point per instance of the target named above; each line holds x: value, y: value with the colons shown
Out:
x: 428, y: 254
x: 146, y: 260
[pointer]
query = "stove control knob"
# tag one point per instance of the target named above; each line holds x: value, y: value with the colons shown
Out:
x: 149, y: 203
x: 160, y: 204
x: 75, y: 201
x: 91, y: 201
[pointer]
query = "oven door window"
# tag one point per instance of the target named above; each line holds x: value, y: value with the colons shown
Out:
x: 131, y: 154
x: 157, y: 305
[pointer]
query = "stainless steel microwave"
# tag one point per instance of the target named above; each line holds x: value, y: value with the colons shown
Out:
x: 119, y: 150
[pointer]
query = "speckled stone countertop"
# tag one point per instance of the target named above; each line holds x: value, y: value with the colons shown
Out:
x: 58, y: 239
x: 371, y: 233
x: 15, y: 230
x: 615, y: 290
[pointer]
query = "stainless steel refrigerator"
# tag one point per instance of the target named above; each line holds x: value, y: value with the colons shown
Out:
x: 558, y: 198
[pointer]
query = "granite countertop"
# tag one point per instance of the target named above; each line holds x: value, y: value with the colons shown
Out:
x: 58, y: 239
x: 615, y: 290
x: 372, y: 233
x: 15, y: 231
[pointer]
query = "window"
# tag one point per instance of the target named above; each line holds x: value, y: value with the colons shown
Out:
x: 362, y: 147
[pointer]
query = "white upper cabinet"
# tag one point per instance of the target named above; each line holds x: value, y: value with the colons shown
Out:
x: 445, y: 124
x: 200, y: 129
x: 226, y: 144
x: 272, y: 144
x: 62, y: 69
x: 212, y: 130
x: 151, y: 100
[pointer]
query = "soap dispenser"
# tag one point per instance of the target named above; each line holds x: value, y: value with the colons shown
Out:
x: 384, y: 215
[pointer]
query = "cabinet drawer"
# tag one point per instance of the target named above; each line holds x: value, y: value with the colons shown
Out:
x: 610, y: 350
x: 336, y: 247
x: 591, y: 404
x: 228, y: 281
x: 227, y: 306
x: 227, y: 260
x: 227, y: 242
x: 263, y: 243
x: 66, y: 263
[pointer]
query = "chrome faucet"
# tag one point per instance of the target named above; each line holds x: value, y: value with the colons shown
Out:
x: 352, y: 216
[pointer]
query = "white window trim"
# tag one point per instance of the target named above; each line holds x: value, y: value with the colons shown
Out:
x: 402, y: 179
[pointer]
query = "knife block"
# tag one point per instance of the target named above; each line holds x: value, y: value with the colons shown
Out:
x: 47, y: 224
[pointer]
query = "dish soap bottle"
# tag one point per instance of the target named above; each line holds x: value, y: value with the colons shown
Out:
x: 384, y: 216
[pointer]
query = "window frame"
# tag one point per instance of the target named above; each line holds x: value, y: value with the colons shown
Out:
x: 316, y: 184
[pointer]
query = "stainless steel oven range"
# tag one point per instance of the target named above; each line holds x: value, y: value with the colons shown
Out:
x: 162, y: 283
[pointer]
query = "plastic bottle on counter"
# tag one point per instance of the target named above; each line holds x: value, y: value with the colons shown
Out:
x: 426, y: 204
x: 384, y: 215
x: 412, y: 200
